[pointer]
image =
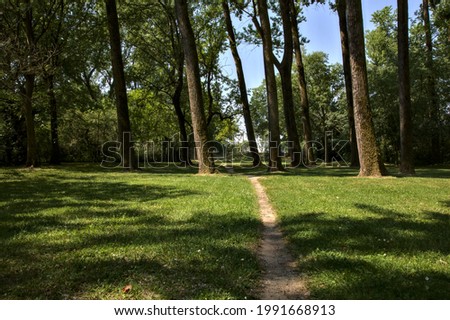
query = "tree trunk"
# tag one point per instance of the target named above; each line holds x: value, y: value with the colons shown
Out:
x: 129, y: 160
x: 431, y: 86
x: 275, y: 163
x: 32, y: 150
x: 55, y: 157
x: 242, y: 86
x: 206, y: 162
x: 27, y: 91
x: 176, y: 101
x: 308, y: 153
x: 285, y: 70
x: 354, y: 158
x: 406, y: 136
x: 369, y: 154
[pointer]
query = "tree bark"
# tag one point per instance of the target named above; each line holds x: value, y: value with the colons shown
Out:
x: 285, y: 70
x: 176, y: 101
x: 431, y: 87
x: 55, y: 157
x: 308, y: 153
x: 27, y: 94
x: 406, y: 136
x: 129, y: 159
x: 275, y: 163
x: 369, y: 154
x: 27, y: 90
x: 205, y: 159
x: 242, y: 86
x: 354, y: 158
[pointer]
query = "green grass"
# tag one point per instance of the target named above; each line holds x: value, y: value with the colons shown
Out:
x: 360, y: 238
x: 82, y: 232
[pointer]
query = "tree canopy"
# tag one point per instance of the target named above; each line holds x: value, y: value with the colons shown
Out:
x: 65, y: 95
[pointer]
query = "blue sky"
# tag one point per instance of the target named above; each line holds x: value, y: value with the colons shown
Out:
x: 322, y: 30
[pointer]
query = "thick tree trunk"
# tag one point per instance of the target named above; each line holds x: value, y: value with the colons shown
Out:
x: 369, y: 154
x: 285, y: 70
x: 275, y: 163
x: 206, y: 162
x: 308, y: 152
x: 55, y: 157
x: 431, y: 86
x: 242, y: 86
x: 129, y: 159
x: 32, y: 150
x: 406, y: 136
x: 27, y: 91
x: 354, y: 158
x: 176, y: 101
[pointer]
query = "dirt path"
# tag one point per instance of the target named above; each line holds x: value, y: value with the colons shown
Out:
x: 280, y: 279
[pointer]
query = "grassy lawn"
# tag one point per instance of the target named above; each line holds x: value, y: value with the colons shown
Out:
x: 360, y: 238
x: 82, y: 232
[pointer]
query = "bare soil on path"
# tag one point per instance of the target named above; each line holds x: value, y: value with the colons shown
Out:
x: 280, y: 278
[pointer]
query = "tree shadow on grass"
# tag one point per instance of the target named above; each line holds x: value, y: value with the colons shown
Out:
x: 196, y: 258
x: 361, y: 253
x: 33, y: 205
x: 436, y: 173
x: 87, y: 239
x: 152, y: 168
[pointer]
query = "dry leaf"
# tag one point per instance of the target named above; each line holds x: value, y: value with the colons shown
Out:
x: 127, y: 288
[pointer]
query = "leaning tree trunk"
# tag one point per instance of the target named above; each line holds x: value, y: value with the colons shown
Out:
x: 242, y: 86
x: 406, y: 136
x: 205, y: 160
x: 129, y: 159
x: 369, y: 154
x: 431, y: 86
x: 308, y: 152
x: 275, y: 163
x: 354, y: 159
x: 176, y: 101
x: 285, y: 70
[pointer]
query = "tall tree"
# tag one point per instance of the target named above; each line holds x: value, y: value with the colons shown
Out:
x: 406, y: 146
x: 369, y: 155
x: 129, y: 159
x: 242, y: 85
x: 54, y: 46
x: 285, y: 69
x: 264, y: 30
x: 431, y: 85
x: 308, y: 152
x: 28, y: 88
x: 206, y: 162
x: 340, y: 8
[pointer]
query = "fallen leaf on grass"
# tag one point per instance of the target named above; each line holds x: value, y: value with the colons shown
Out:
x: 127, y: 288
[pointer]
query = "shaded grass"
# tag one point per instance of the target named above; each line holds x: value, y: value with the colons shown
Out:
x: 358, y: 238
x: 82, y: 232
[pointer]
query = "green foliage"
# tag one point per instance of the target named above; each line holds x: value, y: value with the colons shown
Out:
x: 383, y: 84
x: 381, y: 44
x: 325, y: 90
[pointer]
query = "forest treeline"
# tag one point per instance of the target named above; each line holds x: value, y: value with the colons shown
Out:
x: 148, y: 74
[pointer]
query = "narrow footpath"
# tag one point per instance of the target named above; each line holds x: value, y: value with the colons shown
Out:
x: 280, y: 279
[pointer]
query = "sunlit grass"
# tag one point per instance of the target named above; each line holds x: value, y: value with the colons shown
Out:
x: 82, y: 232
x: 357, y: 238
